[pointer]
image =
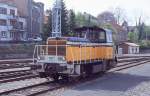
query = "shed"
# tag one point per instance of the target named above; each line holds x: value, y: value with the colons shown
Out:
x: 129, y: 48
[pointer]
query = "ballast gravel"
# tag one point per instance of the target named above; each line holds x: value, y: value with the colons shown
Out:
x: 19, y: 84
x: 141, y: 90
x: 130, y: 82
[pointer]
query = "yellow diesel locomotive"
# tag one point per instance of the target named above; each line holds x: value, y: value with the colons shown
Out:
x: 90, y: 51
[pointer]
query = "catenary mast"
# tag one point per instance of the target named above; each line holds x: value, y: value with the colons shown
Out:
x: 56, y: 19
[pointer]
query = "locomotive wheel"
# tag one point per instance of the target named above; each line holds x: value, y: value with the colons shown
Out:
x: 115, y: 62
x: 108, y: 65
x: 55, y: 77
x: 104, y: 67
x: 65, y: 78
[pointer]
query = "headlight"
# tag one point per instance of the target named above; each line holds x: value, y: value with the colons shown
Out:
x: 61, y: 58
x: 51, y: 58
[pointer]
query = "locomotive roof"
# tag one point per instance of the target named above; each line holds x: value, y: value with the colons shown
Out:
x: 75, y: 39
x: 85, y: 28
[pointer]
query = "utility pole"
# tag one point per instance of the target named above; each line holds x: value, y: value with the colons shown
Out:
x: 56, y: 19
x: 146, y: 36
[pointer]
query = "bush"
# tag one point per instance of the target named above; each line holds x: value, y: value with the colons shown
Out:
x: 145, y: 44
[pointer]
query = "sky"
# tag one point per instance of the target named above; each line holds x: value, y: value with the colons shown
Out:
x: 132, y: 9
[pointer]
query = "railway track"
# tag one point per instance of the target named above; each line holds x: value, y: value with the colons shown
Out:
x: 129, y: 65
x: 18, y: 78
x: 133, y: 56
x: 45, y: 87
x: 23, y: 65
x: 27, y: 74
x: 12, y: 61
x: 5, y: 75
x: 14, y: 65
x: 33, y: 90
x: 132, y: 59
x: 8, y: 64
x: 11, y: 76
x: 10, y: 67
x: 42, y: 88
x: 14, y: 71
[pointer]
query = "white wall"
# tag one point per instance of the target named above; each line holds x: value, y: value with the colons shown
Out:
x: 8, y: 8
x: 133, y: 50
x: 24, y: 22
x: 120, y: 51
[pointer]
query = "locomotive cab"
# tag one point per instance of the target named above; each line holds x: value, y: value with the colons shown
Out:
x: 90, y: 51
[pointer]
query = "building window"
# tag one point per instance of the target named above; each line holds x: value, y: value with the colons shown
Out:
x: 3, y: 22
x: 22, y: 35
x: 21, y: 25
x: 3, y: 34
x: 12, y: 35
x: 13, y: 23
x: 12, y: 12
x: 3, y: 10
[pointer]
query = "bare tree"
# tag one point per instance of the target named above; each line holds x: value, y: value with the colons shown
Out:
x: 140, y: 18
x: 119, y: 14
x: 140, y: 25
x: 106, y: 17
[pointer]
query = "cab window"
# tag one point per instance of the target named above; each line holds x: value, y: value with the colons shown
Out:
x: 97, y: 37
x: 102, y: 36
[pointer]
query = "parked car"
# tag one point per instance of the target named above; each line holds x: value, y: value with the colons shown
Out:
x: 35, y: 39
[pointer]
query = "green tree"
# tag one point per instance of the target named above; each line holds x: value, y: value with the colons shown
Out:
x: 146, y: 32
x: 80, y: 20
x: 84, y: 19
x: 140, y: 28
x: 133, y: 36
x: 47, y: 28
x: 71, y: 23
x: 64, y: 20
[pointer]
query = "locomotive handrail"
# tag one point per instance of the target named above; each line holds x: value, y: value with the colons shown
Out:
x: 41, y: 50
x: 38, y: 48
x: 34, y: 54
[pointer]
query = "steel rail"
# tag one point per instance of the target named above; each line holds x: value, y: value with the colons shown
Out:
x: 18, y: 78
x: 33, y: 86
x: 3, y: 76
x: 8, y: 72
x: 130, y: 62
x: 10, y: 67
x: 127, y: 66
x: 46, y: 90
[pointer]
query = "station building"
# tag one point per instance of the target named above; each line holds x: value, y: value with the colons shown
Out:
x: 12, y: 26
x: 128, y: 48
